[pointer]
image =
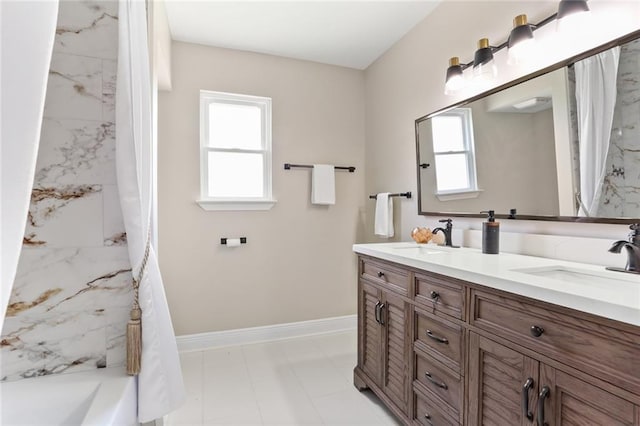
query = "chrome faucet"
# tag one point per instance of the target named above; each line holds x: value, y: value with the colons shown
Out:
x: 633, y: 251
x: 446, y: 231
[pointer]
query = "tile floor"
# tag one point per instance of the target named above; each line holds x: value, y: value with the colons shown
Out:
x: 302, y: 381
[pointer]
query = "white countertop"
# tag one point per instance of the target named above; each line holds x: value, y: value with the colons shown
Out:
x: 592, y: 289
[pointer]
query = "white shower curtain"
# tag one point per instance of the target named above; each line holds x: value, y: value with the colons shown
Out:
x: 27, y: 30
x: 596, y: 78
x: 160, y: 386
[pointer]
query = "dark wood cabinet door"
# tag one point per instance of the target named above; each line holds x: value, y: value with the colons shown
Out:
x: 571, y: 401
x: 396, y: 347
x: 497, y: 375
x: 370, y: 353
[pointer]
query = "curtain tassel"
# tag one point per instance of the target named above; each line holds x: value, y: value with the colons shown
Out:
x: 134, y: 326
x: 134, y: 342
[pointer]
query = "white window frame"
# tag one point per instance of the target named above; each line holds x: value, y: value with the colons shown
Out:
x: 265, y: 202
x: 468, y: 150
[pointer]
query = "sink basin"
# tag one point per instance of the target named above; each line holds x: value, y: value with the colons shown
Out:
x: 419, y: 249
x: 577, y: 276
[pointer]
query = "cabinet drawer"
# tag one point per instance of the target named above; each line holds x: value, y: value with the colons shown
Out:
x: 443, y: 339
x: 429, y: 413
x: 388, y: 276
x: 603, y: 351
x: 440, y: 294
x: 440, y: 381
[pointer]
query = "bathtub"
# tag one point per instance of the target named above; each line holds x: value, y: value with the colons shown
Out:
x: 98, y: 397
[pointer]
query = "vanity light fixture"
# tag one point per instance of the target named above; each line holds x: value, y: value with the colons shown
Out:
x: 455, y: 79
x: 571, y: 7
x: 484, y: 67
x: 520, y: 43
x: 572, y: 15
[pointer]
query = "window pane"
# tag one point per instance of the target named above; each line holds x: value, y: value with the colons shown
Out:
x: 452, y: 172
x: 447, y: 133
x: 235, y: 126
x: 233, y: 174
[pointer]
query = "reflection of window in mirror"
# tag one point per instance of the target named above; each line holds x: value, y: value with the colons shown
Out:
x: 454, y: 151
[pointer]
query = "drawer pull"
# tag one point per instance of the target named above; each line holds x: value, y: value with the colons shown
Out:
x: 525, y: 399
x: 536, y: 331
x: 434, y: 295
x: 427, y: 417
x: 543, y: 395
x: 430, y: 378
x: 437, y: 338
x: 380, y: 274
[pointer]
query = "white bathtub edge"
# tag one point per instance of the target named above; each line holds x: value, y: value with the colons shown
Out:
x: 116, y: 400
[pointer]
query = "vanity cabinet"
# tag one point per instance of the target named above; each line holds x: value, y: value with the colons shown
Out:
x: 383, y: 338
x: 438, y: 349
x: 441, y: 351
x: 534, y: 391
x: 607, y: 351
x: 498, y: 379
x: 572, y: 401
x: 507, y: 387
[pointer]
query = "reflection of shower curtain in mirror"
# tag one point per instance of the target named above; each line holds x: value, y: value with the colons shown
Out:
x: 596, y: 99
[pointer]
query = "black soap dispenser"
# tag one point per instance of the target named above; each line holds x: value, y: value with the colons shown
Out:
x: 490, y: 234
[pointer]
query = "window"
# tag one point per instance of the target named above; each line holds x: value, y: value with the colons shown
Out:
x: 235, y: 152
x: 454, y: 154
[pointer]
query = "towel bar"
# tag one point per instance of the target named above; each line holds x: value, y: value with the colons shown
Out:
x: 397, y: 194
x: 288, y: 166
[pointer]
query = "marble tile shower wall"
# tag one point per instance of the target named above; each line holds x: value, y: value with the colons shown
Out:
x: 70, y: 301
x: 621, y: 188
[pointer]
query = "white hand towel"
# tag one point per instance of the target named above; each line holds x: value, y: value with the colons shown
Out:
x: 323, y: 184
x: 384, y: 215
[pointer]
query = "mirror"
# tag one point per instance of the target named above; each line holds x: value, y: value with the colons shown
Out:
x: 562, y: 144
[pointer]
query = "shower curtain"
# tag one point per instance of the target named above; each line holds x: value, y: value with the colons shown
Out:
x: 27, y: 30
x: 160, y: 386
x: 596, y: 100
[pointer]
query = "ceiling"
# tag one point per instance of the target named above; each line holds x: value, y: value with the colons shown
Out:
x: 347, y: 33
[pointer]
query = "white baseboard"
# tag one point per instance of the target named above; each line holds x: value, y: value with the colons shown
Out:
x: 243, y: 336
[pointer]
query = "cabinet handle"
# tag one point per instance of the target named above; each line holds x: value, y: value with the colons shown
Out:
x: 430, y: 378
x: 536, y: 331
x: 377, y: 312
x: 381, y: 308
x: 543, y: 395
x: 525, y: 399
x: 437, y: 338
x: 380, y: 274
x: 434, y: 295
x: 427, y: 417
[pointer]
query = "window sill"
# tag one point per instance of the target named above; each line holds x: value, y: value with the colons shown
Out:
x: 462, y: 195
x: 236, y: 205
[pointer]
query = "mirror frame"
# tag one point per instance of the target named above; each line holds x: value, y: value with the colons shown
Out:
x: 601, y: 48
